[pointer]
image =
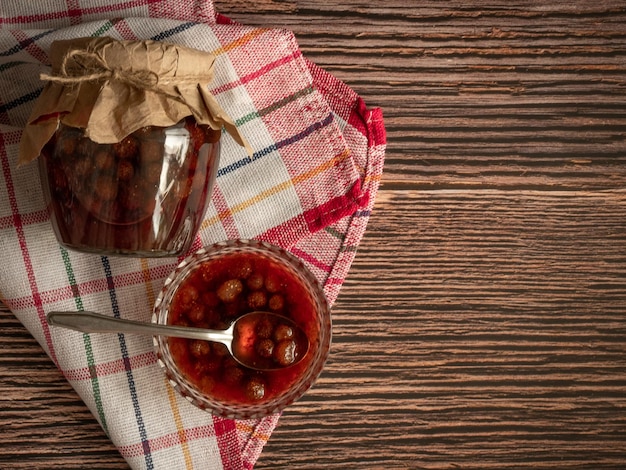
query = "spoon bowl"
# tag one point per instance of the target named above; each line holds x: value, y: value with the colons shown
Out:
x: 289, y: 344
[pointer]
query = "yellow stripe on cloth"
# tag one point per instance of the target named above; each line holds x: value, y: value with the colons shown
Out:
x: 240, y: 42
x: 252, y: 430
x: 171, y: 394
x: 276, y: 189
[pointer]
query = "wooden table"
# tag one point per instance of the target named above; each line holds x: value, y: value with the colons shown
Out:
x: 483, y: 324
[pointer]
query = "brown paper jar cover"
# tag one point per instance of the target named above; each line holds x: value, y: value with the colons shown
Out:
x: 112, y: 88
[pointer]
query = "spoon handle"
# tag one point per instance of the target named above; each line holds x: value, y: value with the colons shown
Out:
x: 91, y: 322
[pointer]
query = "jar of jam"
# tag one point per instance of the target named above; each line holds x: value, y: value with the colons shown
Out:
x: 127, y: 134
x: 143, y: 196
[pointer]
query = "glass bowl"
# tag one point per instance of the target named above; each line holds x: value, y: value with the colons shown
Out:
x: 143, y: 196
x: 265, y: 277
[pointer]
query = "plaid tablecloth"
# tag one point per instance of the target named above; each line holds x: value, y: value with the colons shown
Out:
x: 310, y: 187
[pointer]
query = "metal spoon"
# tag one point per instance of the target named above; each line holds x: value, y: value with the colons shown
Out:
x: 240, y: 338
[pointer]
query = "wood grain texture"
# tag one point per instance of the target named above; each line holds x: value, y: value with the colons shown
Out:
x: 495, y: 341
x: 483, y: 324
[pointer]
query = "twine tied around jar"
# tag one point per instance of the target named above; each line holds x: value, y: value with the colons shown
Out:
x: 98, y: 69
x: 112, y: 88
x: 95, y: 68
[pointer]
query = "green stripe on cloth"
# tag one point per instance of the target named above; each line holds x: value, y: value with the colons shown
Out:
x: 274, y: 106
x: 103, y: 29
x: 91, y: 363
x: 335, y: 233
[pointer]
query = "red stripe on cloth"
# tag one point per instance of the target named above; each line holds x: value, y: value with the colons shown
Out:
x: 6, y: 222
x: 110, y: 368
x: 288, y: 233
x: 226, y: 434
x: 73, y: 12
x: 336, y: 208
x: 258, y: 73
x: 198, y: 11
x: 195, y: 246
x: 311, y: 259
x: 168, y: 441
x: 333, y: 281
x: 156, y: 10
x: 28, y: 218
x: 122, y: 27
x: 225, y: 213
x: 28, y: 44
x: 38, y: 217
x: 26, y: 302
x: 368, y: 122
x: 221, y: 19
x: 21, y: 236
x: 285, y: 234
x: 92, y: 286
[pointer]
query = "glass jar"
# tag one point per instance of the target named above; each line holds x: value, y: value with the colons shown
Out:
x: 271, y: 279
x: 144, y: 196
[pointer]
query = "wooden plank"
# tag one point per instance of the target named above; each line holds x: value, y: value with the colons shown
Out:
x: 490, y: 335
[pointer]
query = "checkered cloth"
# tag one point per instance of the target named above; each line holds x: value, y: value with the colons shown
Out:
x: 310, y: 187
